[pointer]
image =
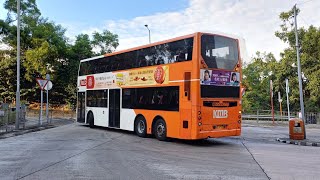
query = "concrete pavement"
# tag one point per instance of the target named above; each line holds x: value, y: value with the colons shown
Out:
x: 77, y: 152
x: 282, y: 132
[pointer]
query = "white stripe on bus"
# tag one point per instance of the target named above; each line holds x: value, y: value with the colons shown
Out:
x: 89, y: 59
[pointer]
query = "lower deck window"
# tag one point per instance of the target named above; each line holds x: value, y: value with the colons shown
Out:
x: 97, y: 98
x: 160, y: 98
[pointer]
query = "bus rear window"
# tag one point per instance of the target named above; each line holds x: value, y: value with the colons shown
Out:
x: 219, y: 52
x: 220, y: 91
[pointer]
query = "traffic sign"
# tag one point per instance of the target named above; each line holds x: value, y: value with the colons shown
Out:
x: 42, y: 83
x: 279, y: 97
x: 48, y: 86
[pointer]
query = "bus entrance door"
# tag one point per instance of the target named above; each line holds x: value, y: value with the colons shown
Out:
x: 114, y: 108
x: 81, y: 107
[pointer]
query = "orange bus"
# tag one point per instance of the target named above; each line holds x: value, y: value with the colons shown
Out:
x: 186, y: 88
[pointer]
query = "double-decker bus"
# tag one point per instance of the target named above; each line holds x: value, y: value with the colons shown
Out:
x: 188, y: 87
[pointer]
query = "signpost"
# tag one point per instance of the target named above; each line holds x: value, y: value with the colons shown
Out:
x: 287, y: 92
x: 42, y: 83
x: 47, y: 88
x: 280, y: 101
x: 271, y: 99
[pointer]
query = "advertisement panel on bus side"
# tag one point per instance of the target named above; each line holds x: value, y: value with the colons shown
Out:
x: 138, y: 77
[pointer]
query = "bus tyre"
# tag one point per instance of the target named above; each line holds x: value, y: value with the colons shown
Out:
x: 91, y: 120
x: 160, y: 130
x: 140, y: 126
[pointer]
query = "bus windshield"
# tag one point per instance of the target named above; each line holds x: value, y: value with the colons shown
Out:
x: 219, y: 52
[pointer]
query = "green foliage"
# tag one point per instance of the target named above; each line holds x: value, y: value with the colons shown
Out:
x: 106, y: 41
x: 44, y: 49
x: 256, y: 80
x: 286, y: 67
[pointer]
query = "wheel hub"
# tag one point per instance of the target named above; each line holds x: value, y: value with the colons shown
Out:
x: 160, y: 130
x: 141, y: 127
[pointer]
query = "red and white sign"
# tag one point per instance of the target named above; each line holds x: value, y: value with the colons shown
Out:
x: 90, y: 82
x: 42, y: 83
x: 83, y: 82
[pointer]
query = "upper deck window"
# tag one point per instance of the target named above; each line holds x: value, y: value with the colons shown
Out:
x: 176, y: 51
x: 219, y: 52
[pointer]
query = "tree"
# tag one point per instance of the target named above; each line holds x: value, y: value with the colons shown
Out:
x: 44, y: 49
x: 80, y: 50
x: 106, y: 41
x: 310, y: 62
x: 256, y: 78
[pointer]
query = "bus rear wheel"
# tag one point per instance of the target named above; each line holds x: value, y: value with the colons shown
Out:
x: 140, y: 126
x: 160, y: 130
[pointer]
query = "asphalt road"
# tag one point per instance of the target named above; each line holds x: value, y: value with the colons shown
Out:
x: 77, y: 152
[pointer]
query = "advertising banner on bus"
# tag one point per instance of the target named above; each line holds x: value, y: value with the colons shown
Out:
x: 139, y: 77
x: 219, y: 78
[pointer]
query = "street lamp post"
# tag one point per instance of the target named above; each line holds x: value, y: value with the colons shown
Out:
x: 299, y: 69
x: 149, y: 32
x: 18, y: 68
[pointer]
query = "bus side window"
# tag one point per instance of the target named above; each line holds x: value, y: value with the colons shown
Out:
x: 181, y: 57
x: 142, y: 63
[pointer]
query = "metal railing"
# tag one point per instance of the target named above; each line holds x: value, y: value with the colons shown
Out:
x: 8, y: 118
x: 30, y: 118
x: 266, y: 115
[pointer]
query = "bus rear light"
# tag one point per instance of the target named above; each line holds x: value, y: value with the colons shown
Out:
x: 239, y: 121
x: 239, y: 116
x: 240, y: 112
x: 199, y: 115
x: 199, y: 123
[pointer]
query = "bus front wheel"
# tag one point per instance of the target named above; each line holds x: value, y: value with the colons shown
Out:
x: 91, y: 120
x: 160, y: 130
x: 140, y: 126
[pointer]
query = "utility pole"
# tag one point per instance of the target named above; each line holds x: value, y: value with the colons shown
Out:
x: 299, y: 69
x: 18, y: 67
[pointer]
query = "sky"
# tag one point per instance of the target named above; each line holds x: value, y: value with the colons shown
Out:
x: 254, y: 20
